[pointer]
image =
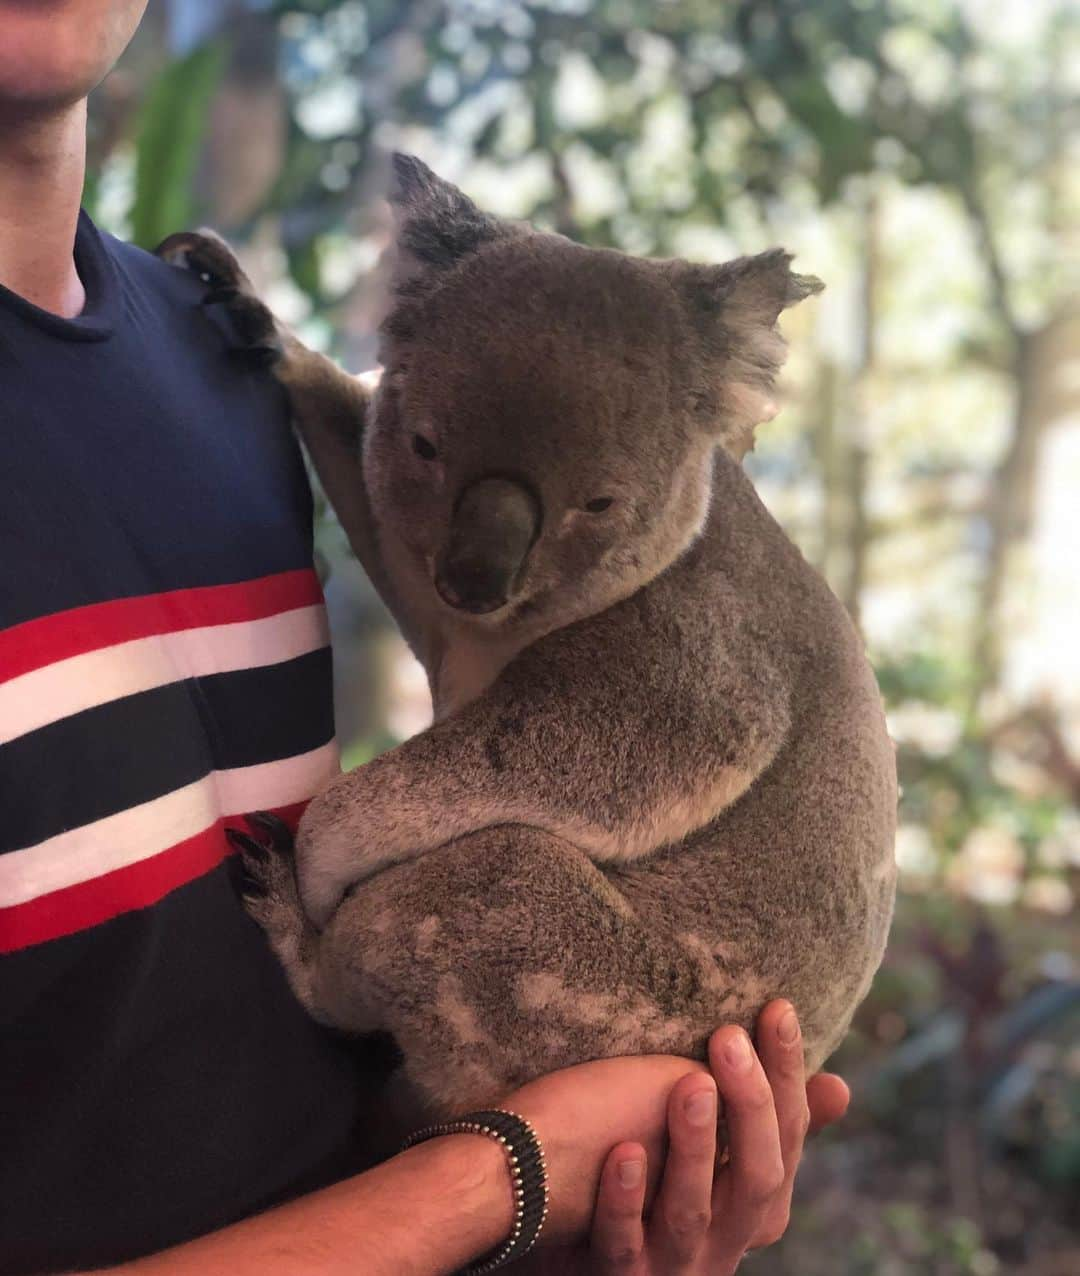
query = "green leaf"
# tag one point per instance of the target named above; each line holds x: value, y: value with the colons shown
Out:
x: 304, y: 268
x: 171, y: 129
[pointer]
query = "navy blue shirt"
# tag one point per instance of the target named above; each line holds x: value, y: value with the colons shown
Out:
x: 164, y: 668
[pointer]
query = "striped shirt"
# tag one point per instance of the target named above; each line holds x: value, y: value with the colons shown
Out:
x: 164, y: 668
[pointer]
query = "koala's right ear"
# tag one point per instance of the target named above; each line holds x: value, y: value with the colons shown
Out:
x: 734, y: 308
x: 437, y: 225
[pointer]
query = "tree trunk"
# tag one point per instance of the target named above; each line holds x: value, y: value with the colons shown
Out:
x: 858, y: 460
x: 1009, y: 508
x: 830, y: 462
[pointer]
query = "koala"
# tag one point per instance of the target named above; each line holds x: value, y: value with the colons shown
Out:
x: 658, y: 790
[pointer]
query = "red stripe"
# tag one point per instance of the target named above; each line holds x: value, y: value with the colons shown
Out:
x: 125, y: 889
x: 37, y: 643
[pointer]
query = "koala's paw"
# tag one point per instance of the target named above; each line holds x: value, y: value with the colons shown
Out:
x: 210, y: 258
x: 335, y: 851
x: 326, y: 875
x: 263, y: 872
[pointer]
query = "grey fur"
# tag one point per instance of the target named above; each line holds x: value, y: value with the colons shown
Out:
x: 659, y: 789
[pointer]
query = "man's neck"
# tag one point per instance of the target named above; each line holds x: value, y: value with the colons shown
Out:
x: 42, y: 166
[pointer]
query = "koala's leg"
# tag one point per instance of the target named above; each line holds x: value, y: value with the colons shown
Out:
x: 329, y: 406
x: 565, y: 741
x: 508, y: 954
x: 271, y: 897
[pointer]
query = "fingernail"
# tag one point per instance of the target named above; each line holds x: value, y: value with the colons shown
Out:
x: 738, y: 1054
x: 629, y: 1173
x: 788, y: 1027
x: 700, y: 1108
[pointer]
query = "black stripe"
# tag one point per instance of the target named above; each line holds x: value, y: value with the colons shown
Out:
x: 118, y: 1139
x: 133, y: 750
x: 262, y: 714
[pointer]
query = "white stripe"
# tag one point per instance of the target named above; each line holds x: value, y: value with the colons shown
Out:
x: 137, y: 834
x: 57, y: 691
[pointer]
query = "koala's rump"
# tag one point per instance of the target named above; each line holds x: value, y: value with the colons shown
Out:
x: 790, y: 891
x: 508, y: 953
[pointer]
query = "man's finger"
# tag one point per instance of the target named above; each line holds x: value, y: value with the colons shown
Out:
x: 780, y: 1048
x: 828, y: 1097
x: 682, y: 1212
x: 754, y: 1176
x: 617, y: 1241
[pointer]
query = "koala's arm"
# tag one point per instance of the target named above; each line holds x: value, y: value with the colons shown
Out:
x: 329, y: 407
x: 329, y: 410
x: 606, y: 738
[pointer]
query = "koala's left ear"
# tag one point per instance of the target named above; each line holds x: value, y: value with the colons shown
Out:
x: 734, y: 308
x: 437, y: 226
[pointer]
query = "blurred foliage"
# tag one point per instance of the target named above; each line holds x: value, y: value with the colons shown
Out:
x: 961, y: 1152
x: 922, y: 156
x: 170, y: 137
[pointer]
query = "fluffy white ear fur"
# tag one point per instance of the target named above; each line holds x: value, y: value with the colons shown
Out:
x: 734, y: 308
x: 436, y: 226
x: 747, y: 404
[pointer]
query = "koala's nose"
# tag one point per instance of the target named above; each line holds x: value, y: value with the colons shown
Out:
x: 472, y: 591
x: 493, y: 528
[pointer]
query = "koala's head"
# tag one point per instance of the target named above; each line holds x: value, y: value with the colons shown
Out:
x: 543, y: 439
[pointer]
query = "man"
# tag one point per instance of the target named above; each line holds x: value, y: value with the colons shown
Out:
x: 163, y: 669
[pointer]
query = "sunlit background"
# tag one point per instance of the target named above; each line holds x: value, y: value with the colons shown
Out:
x: 923, y: 158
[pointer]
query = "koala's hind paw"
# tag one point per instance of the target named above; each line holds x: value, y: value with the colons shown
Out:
x: 263, y: 870
x: 210, y: 258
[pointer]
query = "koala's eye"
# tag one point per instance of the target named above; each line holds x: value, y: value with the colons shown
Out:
x: 423, y: 448
x: 598, y: 505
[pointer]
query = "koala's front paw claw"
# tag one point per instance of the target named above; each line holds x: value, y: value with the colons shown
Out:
x: 208, y: 256
x: 204, y: 254
x: 256, y: 356
x: 220, y: 296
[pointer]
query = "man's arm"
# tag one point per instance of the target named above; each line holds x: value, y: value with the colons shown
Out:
x: 430, y: 1210
x: 426, y: 1211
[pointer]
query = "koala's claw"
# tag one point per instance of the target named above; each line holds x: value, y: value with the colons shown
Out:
x: 256, y: 356
x: 246, y: 867
x: 266, y: 882
x: 204, y: 254
x: 222, y: 295
x: 258, y: 865
x: 208, y: 256
x: 275, y: 828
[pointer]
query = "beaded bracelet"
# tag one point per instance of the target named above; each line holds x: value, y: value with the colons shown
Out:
x: 528, y: 1171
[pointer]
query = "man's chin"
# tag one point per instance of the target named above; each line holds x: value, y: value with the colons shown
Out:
x: 40, y: 100
x: 53, y: 53
x: 39, y: 74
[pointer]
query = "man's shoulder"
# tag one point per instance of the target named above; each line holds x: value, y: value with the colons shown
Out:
x: 177, y: 336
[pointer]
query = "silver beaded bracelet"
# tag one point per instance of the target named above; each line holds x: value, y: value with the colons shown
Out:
x: 528, y: 1172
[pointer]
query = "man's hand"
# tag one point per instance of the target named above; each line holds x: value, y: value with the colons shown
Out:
x: 447, y: 1201
x: 596, y: 1117
x: 705, y: 1217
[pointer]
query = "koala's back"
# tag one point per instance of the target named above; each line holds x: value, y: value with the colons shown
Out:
x: 790, y: 890
x: 508, y: 952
